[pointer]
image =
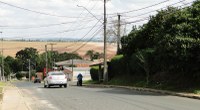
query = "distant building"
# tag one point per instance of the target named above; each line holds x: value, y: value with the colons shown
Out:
x: 73, y: 67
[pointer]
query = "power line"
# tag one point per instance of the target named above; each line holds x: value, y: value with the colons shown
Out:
x: 80, y: 24
x: 135, y: 21
x: 85, y: 34
x: 65, y: 31
x: 33, y: 11
x: 95, y: 33
x: 158, y: 9
x: 141, y: 8
x: 41, y: 26
x: 147, y: 18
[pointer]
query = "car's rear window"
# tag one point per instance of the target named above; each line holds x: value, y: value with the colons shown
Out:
x: 57, y: 74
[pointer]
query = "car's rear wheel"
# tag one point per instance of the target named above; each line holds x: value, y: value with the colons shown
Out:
x: 45, y: 85
x: 65, y: 85
x: 48, y: 85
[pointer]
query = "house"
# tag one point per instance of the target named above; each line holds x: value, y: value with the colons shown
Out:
x: 75, y: 66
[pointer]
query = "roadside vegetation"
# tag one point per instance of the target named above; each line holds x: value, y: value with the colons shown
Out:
x: 2, y: 84
x: 19, y: 64
x: 163, y: 53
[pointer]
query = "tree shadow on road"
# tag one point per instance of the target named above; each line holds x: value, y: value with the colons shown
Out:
x: 129, y: 92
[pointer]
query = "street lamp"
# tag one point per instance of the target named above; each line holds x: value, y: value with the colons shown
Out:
x: 88, y: 11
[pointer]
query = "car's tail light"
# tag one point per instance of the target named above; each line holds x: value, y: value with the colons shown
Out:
x: 50, y: 77
x: 65, y: 77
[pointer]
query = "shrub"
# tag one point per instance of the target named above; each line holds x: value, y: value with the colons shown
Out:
x: 19, y: 75
x: 94, y: 72
x: 117, y: 66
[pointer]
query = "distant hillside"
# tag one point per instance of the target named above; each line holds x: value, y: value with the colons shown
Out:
x: 12, y: 47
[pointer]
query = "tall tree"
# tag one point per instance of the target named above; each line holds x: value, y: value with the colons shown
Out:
x: 28, y: 53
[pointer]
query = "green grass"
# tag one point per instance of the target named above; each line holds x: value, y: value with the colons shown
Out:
x: 90, y: 82
x: 125, y: 82
x: 197, y: 91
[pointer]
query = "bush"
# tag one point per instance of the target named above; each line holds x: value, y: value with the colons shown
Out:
x: 117, y: 66
x: 94, y: 72
x: 19, y: 75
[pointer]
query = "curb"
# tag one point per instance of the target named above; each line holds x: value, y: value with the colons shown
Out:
x: 147, y: 90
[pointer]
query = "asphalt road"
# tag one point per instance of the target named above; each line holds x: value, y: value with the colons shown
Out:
x: 82, y: 98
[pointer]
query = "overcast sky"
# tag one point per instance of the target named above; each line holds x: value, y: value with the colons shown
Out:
x: 64, y: 19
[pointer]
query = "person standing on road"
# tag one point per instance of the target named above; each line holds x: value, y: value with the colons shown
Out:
x: 79, y: 77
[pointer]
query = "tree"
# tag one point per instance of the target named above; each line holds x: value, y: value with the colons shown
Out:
x: 173, y: 34
x: 93, y: 55
x: 90, y: 53
x: 28, y: 53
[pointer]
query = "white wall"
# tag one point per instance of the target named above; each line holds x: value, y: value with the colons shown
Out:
x: 84, y: 71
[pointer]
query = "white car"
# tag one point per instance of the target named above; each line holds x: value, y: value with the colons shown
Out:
x: 55, y: 78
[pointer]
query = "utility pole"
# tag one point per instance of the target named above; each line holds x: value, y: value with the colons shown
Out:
x: 46, y: 59
x: 118, y: 34
x: 2, y: 60
x: 105, y: 71
x: 52, y: 60
x: 72, y: 67
x: 29, y: 67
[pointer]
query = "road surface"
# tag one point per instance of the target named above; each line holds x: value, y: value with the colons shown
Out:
x: 82, y: 98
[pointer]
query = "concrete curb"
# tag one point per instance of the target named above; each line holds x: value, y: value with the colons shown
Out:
x: 193, y: 96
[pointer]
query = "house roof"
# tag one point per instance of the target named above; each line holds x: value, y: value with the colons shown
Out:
x: 98, y: 63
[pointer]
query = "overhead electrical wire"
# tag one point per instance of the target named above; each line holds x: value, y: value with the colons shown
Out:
x: 147, y: 18
x: 75, y: 43
x: 85, y: 34
x: 41, y: 26
x: 65, y: 31
x: 140, y: 8
x: 94, y: 35
x: 90, y: 27
x: 130, y: 22
x: 79, y: 24
x: 33, y: 11
x: 154, y: 10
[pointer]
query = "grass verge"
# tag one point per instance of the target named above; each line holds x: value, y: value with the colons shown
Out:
x: 2, y: 84
x: 91, y: 82
x: 125, y: 82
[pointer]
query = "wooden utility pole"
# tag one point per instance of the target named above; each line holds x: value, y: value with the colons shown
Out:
x: 118, y: 34
x: 29, y: 67
x: 46, y: 59
x: 105, y: 72
x: 52, y: 59
x: 2, y: 60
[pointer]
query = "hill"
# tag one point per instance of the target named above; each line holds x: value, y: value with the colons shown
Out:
x: 12, y: 47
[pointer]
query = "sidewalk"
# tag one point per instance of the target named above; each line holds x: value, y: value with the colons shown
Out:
x: 13, y: 99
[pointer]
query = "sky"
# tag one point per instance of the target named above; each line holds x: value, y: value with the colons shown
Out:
x: 63, y: 19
